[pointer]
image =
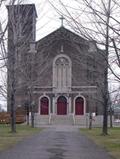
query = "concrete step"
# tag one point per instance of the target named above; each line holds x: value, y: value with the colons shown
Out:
x: 41, y: 120
x: 69, y: 120
x: 62, y: 120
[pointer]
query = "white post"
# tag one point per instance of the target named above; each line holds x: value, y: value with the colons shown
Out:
x: 53, y: 104
x: 69, y: 99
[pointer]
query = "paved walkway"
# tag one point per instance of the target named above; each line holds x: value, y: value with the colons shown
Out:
x: 56, y: 143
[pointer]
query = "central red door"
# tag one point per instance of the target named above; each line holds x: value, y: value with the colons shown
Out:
x: 79, y: 106
x: 44, y: 103
x: 62, y: 105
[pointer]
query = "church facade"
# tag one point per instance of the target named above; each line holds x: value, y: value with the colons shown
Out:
x: 62, y: 73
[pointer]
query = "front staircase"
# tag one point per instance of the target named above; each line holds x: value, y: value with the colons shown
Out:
x: 70, y: 119
x: 62, y: 120
x: 53, y: 120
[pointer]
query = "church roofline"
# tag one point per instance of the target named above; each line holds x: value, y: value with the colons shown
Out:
x: 48, y: 39
x: 62, y: 28
x: 81, y: 39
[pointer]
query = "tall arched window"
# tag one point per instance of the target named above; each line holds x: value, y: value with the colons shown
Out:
x: 62, y: 73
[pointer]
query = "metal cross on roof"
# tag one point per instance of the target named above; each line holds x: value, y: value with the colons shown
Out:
x: 62, y: 19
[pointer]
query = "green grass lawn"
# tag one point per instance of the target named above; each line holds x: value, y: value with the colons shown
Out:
x: 7, y: 139
x: 110, y: 142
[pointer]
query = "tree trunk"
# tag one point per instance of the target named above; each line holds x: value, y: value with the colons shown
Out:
x: 32, y: 117
x: 27, y: 113
x: 12, y: 106
x: 111, y: 123
x: 105, y: 114
x: 90, y: 120
x: 13, y: 114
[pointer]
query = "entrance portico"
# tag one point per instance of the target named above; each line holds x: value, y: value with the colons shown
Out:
x: 62, y: 104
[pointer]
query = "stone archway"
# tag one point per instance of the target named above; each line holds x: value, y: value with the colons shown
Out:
x: 44, y: 106
x: 79, y: 106
x: 62, y: 73
x: 61, y: 105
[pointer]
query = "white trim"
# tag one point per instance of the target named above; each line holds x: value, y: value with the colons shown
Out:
x: 70, y: 92
x: 84, y: 112
x: 71, y: 86
x: 53, y: 105
x: 84, y: 86
x: 49, y: 104
x: 69, y: 102
x: 43, y: 87
x: 62, y: 55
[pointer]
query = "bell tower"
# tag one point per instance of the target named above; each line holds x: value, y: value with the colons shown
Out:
x: 21, y: 23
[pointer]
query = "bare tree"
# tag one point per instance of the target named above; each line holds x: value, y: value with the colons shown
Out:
x: 21, y: 60
x: 4, y: 61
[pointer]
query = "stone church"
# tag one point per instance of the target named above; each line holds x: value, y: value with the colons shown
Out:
x: 63, y: 73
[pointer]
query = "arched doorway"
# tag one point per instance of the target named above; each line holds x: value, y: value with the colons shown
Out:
x: 79, y: 106
x: 61, y: 105
x: 44, y: 106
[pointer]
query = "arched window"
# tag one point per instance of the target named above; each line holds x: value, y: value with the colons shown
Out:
x: 62, y: 73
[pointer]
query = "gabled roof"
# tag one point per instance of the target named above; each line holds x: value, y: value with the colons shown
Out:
x: 63, y: 34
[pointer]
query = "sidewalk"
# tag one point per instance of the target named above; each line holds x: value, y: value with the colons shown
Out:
x: 58, y: 142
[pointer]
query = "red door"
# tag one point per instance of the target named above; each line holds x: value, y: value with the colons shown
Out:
x: 79, y: 106
x: 44, y: 106
x: 62, y: 105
